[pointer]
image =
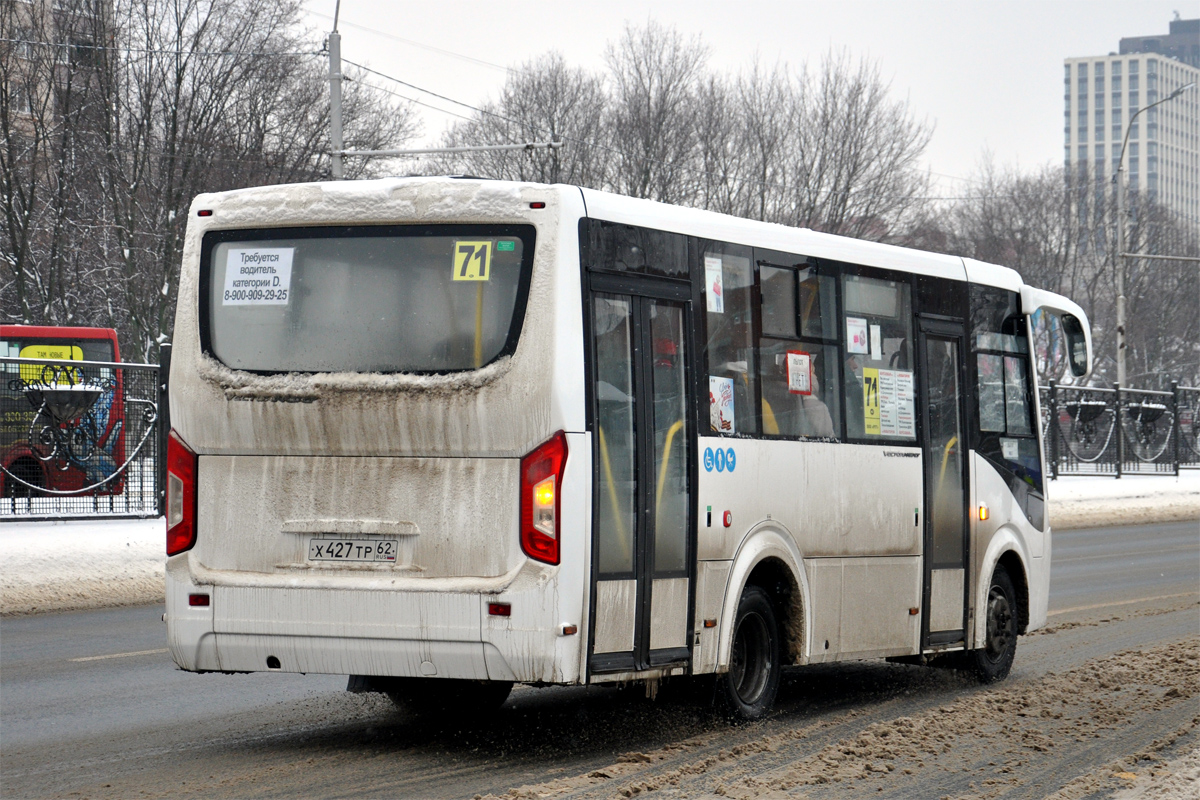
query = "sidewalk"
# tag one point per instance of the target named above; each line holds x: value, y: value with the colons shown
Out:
x: 61, y: 566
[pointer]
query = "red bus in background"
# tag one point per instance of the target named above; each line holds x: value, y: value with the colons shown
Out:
x: 96, y: 437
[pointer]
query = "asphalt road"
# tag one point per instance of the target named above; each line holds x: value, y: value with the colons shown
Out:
x: 91, y: 705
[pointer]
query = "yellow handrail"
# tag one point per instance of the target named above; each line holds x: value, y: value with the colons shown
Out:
x: 770, y: 425
x: 478, y: 325
x: 945, y: 459
x: 612, y: 494
x: 662, y: 470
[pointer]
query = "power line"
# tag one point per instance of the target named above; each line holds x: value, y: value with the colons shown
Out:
x: 410, y: 99
x: 423, y: 46
x: 427, y: 91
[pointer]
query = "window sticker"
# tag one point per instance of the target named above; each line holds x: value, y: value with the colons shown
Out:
x: 714, y: 284
x: 871, y: 401
x: 1010, y: 448
x: 876, y: 343
x: 799, y: 372
x: 720, y: 404
x: 888, y: 403
x: 258, y: 276
x: 856, y: 335
x: 472, y: 261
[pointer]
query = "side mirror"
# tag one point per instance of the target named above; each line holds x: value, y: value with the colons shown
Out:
x: 1077, y: 345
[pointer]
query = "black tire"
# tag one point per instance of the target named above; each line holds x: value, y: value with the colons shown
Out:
x: 993, y: 661
x: 448, y: 699
x: 747, y: 691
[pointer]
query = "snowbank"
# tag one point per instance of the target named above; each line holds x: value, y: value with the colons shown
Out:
x: 1090, y: 501
x: 60, y: 566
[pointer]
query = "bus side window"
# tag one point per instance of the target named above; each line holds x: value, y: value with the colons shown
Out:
x: 798, y: 370
x: 730, y: 354
x: 880, y: 384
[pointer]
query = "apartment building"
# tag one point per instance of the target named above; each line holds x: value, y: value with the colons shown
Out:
x: 1102, y: 94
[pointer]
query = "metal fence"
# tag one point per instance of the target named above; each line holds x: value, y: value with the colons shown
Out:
x: 1117, y: 431
x: 81, y: 439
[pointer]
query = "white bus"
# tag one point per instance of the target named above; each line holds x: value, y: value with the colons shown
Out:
x: 447, y: 435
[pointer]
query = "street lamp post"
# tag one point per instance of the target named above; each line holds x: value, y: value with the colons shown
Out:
x: 1121, y: 233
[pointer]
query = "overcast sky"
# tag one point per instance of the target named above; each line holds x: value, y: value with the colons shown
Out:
x: 986, y: 73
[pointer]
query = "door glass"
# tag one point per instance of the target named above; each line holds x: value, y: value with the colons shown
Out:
x: 615, y: 433
x: 670, y: 439
x: 943, y: 463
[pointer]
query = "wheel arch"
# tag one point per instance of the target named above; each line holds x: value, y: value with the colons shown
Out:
x: 1005, y: 550
x: 768, y: 558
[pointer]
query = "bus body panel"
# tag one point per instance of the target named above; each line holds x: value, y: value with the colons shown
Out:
x: 836, y: 499
x: 850, y: 514
x: 1007, y: 529
x: 261, y: 512
x: 429, y: 461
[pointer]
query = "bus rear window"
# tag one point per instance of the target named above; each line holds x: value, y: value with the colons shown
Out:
x: 366, y: 299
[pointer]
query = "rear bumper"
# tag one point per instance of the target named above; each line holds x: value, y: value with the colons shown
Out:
x: 443, y: 634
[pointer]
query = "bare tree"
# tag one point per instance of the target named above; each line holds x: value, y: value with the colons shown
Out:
x: 48, y: 104
x: 543, y: 100
x: 855, y: 166
x: 165, y: 99
x: 655, y: 74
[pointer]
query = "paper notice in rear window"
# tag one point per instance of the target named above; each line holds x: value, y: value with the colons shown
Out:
x: 260, y: 276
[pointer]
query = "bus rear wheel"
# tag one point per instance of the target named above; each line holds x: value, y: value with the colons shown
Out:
x: 993, y: 661
x: 747, y: 691
x: 448, y: 698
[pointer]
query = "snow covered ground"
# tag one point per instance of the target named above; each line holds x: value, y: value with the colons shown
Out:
x: 58, y: 566
x: 1079, y: 501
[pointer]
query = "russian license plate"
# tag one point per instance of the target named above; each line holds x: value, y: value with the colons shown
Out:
x: 352, y: 550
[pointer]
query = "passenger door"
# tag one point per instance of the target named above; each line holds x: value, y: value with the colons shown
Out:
x: 947, y: 522
x: 643, y: 530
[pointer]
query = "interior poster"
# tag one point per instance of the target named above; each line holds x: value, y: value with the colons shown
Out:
x: 714, y: 284
x: 856, y: 335
x: 720, y: 404
x: 799, y: 372
x: 888, y: 403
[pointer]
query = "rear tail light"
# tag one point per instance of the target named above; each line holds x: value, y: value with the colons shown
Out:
x: 181, y: 495
x: 541, y: 480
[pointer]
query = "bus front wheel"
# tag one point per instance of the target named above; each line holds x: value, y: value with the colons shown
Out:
x: 748, y: 689
x: 993, y: 661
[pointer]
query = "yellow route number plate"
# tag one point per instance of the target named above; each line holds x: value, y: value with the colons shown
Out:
x: 472, y: 261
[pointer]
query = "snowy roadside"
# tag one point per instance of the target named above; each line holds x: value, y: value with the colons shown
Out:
x: 65, y: 566
x: 62, y: 566
x: 1079, y: 501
